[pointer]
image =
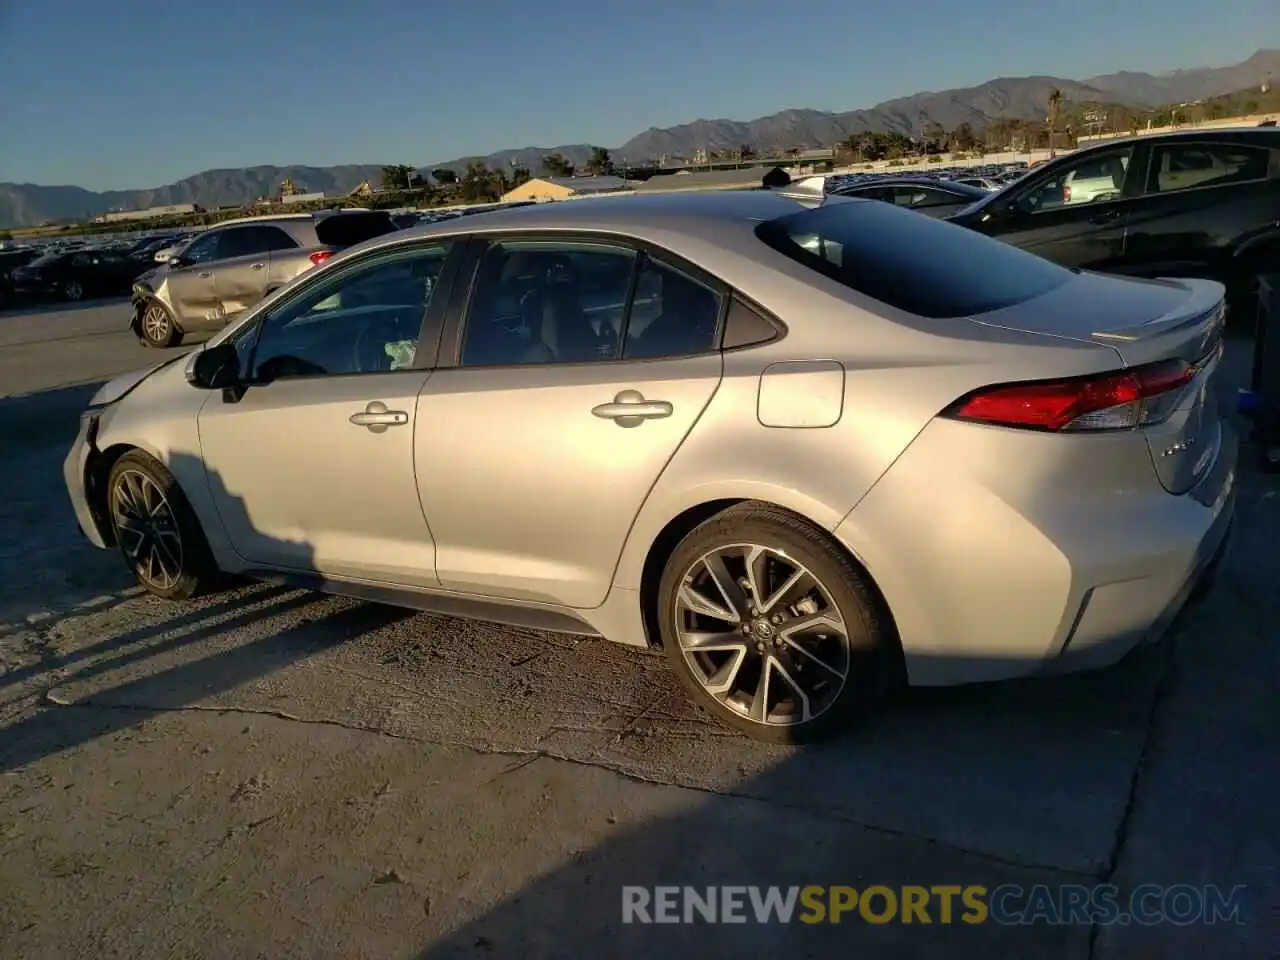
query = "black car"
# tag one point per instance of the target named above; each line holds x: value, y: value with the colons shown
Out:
x: 11, y: 260
x: 932, y: 196
x: 75, y: 275
x: 1202, y: 203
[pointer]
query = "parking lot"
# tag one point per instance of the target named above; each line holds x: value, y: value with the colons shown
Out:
x: 276, y: 773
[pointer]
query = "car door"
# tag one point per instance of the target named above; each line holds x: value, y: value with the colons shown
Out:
x: 537, y: 448
x: 311, y: 461
x: 190, y: 278
x: 1040, y: 215
x: 242, y: 271
x: 1200, y: 200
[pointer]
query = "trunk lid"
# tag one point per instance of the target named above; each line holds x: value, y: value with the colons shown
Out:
x: 1145, y: 321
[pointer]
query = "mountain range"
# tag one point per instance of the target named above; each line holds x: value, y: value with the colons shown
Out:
x: 1005, y: 97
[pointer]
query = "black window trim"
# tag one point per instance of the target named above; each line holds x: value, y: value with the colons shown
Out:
x: 450, y: 353
x: 428, y: 347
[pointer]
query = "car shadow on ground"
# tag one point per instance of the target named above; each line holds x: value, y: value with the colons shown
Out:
x: 52, y: 730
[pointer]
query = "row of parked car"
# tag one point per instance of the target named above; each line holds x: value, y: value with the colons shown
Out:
x: 73, y: 270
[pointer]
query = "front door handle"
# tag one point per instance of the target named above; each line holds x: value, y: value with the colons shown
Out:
x: 205, y: 274
x: 1105, y: 217
x: 376, y: 417
x: 257, y: 266
x: 630, y: 409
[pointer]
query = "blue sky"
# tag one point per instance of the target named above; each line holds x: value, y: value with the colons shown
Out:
x: 139, y: 93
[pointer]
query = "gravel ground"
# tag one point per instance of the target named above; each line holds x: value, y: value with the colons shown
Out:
x: 276, y: 773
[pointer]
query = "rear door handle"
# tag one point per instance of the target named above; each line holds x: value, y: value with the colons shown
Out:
x: 377, y: 418
x: 630, y: 409
x: 1105, y: 217
x: 258, y: 266
x: 205, y: 274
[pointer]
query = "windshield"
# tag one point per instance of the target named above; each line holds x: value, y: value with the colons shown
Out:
x: 915, y: 263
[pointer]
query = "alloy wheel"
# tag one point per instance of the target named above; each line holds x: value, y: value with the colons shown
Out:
x: 74, y: 290
x: 761, y: 634
x: 147, y: 529
x: 155, y: 323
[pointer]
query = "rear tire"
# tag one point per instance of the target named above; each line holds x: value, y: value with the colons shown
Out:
x: 156, y: 327
x: 157, y: 532
x: 772, y: 628
x: 73, y: 291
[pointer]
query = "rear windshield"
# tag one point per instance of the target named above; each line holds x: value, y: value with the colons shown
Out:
x: 348, y: 229
x: 909, y: 261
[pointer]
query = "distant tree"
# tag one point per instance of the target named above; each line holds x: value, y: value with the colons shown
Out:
x: 935, y: 137
x: 479, y: 184
x: 444, y: 176
x: 397, y: 176
x: 746, y: 152
x: 600, y: 162
x: 1055, y: 109
x: 517, y: 176
x: 5, y: 235
x: 962, y: 137
x: 557, y: 166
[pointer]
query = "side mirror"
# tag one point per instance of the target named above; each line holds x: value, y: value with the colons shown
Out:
x: 215, y: 368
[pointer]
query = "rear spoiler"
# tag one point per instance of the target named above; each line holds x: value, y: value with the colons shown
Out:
x: 809, y: 191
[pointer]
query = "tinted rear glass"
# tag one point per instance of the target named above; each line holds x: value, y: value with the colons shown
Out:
x: 348, y: 229
x: 909, y: 261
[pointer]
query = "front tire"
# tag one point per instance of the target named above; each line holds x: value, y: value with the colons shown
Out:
x: 772, y: 628
x: 156, y: 530
x: 156, y: 326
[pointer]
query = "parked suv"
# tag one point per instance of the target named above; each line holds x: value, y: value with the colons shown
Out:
x: 230, y: 267
x: 1196, y: 203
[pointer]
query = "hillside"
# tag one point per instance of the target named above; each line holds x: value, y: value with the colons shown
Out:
x: 1012, y: 98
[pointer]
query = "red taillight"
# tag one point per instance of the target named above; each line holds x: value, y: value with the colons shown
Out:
x: 1120, y: 400
x: 320, y: 256
x: 1066, y: 193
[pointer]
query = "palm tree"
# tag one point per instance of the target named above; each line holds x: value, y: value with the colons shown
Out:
x: 1055, y: 107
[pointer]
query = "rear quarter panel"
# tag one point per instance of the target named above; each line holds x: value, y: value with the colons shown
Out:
x: 900, y: 372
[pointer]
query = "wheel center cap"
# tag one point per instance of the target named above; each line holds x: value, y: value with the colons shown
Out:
x: 762, y: 628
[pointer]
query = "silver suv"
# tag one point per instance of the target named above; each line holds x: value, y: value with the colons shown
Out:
x: 230, y: 267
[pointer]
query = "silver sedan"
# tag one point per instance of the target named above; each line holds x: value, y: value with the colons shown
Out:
x: 808, y: 452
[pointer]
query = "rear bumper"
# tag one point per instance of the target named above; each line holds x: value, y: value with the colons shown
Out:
x: 993, y: 572
x: 75, y: 474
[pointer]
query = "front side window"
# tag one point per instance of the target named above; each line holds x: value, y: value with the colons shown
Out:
x: 202, y: 249
x: 547, y: 302
x: 1090, y: 179
x: 1184, y: 166
x: 366, y: 319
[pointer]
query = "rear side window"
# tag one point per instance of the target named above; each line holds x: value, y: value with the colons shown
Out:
x: 1183, y: 166
x: 924, y: 266
x: 348, y: 229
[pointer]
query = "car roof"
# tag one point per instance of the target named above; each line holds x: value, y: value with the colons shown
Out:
x: 678, y: 212
x: 1269, y: 137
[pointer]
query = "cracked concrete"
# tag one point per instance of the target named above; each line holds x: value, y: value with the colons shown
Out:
x: 274, y: 773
